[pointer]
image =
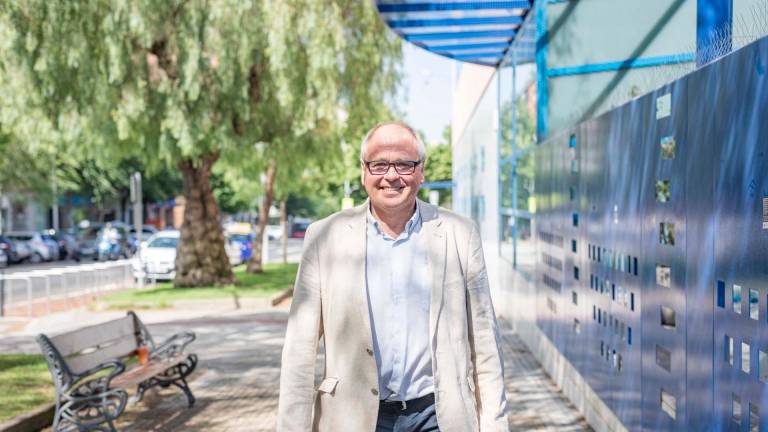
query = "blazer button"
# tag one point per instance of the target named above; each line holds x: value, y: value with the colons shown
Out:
x: 374, y: 392
x: 369, y: 351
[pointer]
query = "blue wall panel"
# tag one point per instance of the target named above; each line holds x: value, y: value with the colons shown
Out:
x: 663, y: 268
x: 662, y: 206
x: 741, y: 235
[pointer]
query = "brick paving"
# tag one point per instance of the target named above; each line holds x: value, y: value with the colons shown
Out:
x: 535, y: 402
x: 237, y: 384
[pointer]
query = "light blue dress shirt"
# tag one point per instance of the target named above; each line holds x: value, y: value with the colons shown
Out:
x: 399, y: 282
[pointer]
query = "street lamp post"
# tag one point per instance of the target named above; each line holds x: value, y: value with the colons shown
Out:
x: 2, y: 293
x: 138, y: 215
x: 55, y: 204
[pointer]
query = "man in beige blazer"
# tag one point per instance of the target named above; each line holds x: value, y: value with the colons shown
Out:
x: 398, y: 290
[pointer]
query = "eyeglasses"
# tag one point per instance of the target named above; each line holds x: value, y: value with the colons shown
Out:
x: 381, y: 167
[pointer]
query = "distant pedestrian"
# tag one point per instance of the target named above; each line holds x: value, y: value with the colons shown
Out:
x: 398, y: 289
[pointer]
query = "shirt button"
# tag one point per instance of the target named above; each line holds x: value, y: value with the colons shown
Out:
x: 374, y: 392
x: 369, y: 351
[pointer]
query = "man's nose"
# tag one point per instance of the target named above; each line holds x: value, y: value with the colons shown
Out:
x: 391, y: 173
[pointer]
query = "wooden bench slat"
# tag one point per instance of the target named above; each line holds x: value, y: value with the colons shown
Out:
x: 76, y: 341
x: 141, y: 373
x: 121, y: 348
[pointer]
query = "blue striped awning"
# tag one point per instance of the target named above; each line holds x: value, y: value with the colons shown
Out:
x: 474, y: 31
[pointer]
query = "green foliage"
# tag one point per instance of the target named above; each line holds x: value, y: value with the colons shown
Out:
x: 312, y: 206
x: 25, y: 384
x: 517, y: 141
x: 91, y: 84
x: 439, y: 167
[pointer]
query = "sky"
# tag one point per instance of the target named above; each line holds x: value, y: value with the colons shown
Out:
x: 426, y: 91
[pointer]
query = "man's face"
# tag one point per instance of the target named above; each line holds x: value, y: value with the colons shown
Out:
x: 392, y: 191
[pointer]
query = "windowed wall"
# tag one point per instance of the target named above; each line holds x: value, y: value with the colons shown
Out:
x: 517, y: 138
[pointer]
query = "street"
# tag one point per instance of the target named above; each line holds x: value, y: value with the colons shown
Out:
x: 275, y: 256
x: 39, y: 289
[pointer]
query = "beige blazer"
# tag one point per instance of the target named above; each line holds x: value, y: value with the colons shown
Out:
x: 330, y: 300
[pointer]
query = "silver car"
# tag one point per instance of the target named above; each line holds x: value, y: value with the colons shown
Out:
x: 40, y: 250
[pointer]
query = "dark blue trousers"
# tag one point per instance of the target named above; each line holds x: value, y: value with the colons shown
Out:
x: 418, y: 416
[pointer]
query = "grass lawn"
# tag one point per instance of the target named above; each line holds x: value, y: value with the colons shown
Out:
x: 276, y: 277
x: 25, y: 384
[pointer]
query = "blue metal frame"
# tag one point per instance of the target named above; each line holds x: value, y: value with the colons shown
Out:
x: 638, y: 62
x: 405, y: 23
x: 453, y: 21
x: 542, y: 39
x: 470, y: 46
x: 448, y: 184
x: 476, y: 55
x: 412, y: 37
x: 452, y: 6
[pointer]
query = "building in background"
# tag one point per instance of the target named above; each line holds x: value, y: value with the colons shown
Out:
x: 565, y: 175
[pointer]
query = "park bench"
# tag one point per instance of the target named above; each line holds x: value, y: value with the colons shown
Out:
x: 92, y: 368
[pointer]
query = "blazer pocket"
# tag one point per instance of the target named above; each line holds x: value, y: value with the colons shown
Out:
x: 328, y: 385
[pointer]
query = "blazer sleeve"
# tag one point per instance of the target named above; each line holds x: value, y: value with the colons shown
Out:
x: 485, y: 347
x: 297, y: 374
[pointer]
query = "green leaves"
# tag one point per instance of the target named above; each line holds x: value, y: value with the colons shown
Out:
x: 163, y: 81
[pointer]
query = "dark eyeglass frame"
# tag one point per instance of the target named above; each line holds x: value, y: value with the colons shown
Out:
x: 415, y: 163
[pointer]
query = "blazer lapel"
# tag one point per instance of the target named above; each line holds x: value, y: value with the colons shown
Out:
x: 357, y: 243
x: 436, y: 250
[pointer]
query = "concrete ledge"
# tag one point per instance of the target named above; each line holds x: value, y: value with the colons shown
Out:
x: 31, y: 422
x: 279, y: 297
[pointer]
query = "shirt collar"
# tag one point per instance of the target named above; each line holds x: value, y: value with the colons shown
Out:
x: 413, y: 223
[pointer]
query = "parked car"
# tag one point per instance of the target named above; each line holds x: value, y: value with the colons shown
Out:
x: 147, y: 231
x: 53, y: 246
x: 299, y: 227
x: 39, y: 250
x: 87, y: 239
x: 156, y: 259
x: 3, y: 259
x: 67, y: 242
x: 274, y: 232
x: 15, y: 251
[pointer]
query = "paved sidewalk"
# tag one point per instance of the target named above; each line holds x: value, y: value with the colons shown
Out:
x: 236, y: 385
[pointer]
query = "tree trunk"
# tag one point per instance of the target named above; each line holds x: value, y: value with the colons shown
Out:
x: 284, y: 226
x: 254, y: 265
x: 201, y: 259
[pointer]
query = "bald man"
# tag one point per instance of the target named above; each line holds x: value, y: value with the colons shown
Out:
x: 398, y: 290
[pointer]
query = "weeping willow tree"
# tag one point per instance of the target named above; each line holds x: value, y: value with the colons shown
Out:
x: 192, y: 83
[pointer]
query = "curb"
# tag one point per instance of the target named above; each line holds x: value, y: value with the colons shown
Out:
x: 30, y: 422
x: 279, y: 297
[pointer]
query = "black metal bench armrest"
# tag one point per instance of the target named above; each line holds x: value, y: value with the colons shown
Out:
x: 117, y: 367
x: 174, y: 345
x: 80, y: 398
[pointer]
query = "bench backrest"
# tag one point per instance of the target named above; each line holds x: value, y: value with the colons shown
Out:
x: 90, y: 346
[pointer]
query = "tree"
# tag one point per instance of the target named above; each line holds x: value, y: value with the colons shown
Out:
x: 189, y: 82
x: 439, y: 167
x: 357, y: 60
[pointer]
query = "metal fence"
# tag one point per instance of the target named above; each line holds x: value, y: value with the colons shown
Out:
x: 45, y: 290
